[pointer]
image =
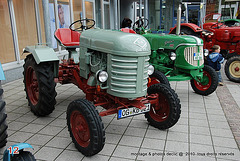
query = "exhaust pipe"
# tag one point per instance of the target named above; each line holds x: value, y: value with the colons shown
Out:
x: 178, y: 19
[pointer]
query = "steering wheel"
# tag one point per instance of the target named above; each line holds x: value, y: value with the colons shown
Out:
x: 140, y: 24
x: 89, y: 24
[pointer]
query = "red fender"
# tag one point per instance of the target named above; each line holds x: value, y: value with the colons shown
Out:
x: 194, y: 27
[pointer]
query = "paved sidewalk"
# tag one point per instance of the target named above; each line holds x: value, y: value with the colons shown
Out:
x: 202, y: 133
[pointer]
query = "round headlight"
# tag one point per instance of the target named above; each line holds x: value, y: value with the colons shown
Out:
x: 150, y: 70
x: 173, y: 56
x: 102, y: 76
x: 205, y: 52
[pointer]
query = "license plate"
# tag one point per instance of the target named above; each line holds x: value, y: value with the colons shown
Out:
x: 131, y: 111
x: 198, y: 56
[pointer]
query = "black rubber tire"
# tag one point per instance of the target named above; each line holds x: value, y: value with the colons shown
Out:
x: 23, y: 156
x: 95, y: 125
x: 173, y: 103
x: 3, y: 123
x: 214, y: 82
x: 159, y: 76
x: 46, y: 86
x: 228, y: 66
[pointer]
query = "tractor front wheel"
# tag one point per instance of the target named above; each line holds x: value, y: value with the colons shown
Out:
x: 3, y: 124
x: 166, y: 111
x: 158, y: 77
x: 85, y: 127
x: 39, y: 86
x: 232, y: 69
x: 208, y: 83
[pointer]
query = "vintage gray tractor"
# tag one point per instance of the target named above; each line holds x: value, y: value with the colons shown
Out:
x: 112, y: 69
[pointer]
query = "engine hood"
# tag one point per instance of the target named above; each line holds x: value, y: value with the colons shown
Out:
x: 115, y: 42
x: 171, y: 41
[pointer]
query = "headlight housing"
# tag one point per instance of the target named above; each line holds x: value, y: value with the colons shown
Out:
x: 150, y: 70
x: 205, y: 52
x: 102, y: 76
x: 172, y: 56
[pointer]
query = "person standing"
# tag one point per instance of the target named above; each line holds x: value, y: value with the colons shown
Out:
x: 215, y: 59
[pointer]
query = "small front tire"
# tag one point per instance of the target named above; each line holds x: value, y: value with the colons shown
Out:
x: 85, y: 127
x: 158, y: 77
x: 209, y: 82
x: 166, y: 112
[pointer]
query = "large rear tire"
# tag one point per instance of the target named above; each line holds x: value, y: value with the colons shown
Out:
x: 3, y: 123
x: 39, y: 86
x: 85, y: 127
x: 23, y: 156
x: 166, y: 112
x: 232, y: 69
x: 158, y: 77
x: 208, y: 84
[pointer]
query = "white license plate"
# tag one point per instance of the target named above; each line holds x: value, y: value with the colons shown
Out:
x: 198, y: 56
x: 131, y: 111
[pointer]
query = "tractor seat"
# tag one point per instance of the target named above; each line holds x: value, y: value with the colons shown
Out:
x: 67, y: 38
x: 128, y: 30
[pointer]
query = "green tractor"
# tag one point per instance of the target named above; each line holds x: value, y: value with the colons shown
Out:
x: 180, y: 57
x: 112, y: 68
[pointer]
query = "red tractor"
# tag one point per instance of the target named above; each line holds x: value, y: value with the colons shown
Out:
x: 225, y: 34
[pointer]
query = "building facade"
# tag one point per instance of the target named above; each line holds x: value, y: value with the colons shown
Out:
x: 31, y: 22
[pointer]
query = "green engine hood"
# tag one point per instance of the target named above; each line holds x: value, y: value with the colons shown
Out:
x: 115, y: 42
x: 171, y: 41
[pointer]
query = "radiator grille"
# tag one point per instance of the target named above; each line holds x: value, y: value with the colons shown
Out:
x: 189, y: 55
x: 128, y: 75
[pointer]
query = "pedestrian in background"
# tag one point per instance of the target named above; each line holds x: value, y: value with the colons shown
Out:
x: 215, y: 59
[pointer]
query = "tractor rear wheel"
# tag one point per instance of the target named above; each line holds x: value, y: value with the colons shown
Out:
x: 3, y: 123
x: 166, y: 112
x: 232, y: 69
x: 208, y: 83
x: 39, y: 86
x: 23, y: 156
x: 85, y: 127
x: 158, y: 77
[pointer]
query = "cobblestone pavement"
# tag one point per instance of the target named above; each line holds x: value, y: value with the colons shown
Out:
x: 208, y: 128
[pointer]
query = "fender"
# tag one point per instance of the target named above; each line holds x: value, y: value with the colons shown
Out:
x: 194, y: 27
x: 19, y: 146
x: 2, y: 76
x: 43, y: 54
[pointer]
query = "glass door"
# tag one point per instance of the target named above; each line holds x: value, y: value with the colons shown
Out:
x: 194, y: 14
x: 106, y: 14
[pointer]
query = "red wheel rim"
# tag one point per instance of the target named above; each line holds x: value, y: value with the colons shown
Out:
x: 153, y: 81
x: 160, y: 111
x: 32, y: 85
x: 205, y: 84
x: 80, y: 129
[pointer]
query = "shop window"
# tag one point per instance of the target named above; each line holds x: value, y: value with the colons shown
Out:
x: 42, y: 21
x: 26, y: 23
x: 7, y: 53
x: 77, y: 11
